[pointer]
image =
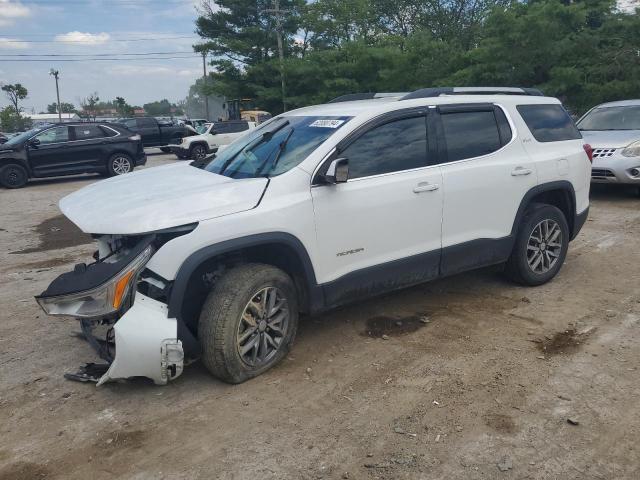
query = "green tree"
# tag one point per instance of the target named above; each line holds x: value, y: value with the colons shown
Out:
x: 90, y: 105
x: 64, y: 106
x: 10, y: 121
x: 15, y: 92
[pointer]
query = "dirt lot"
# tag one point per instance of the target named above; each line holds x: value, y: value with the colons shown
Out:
x: 466, y: 378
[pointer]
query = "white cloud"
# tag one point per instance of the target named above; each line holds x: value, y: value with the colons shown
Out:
x: 11, y: 11
x: 83, y: 38
x: 12, y: 43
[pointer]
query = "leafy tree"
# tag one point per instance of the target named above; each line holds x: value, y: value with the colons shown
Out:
x: 15, y: 92
x: 90, y: 105
x: 10, y: 121
x: 64, y: 106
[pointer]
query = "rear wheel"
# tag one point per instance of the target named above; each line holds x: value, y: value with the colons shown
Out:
x: 541, y: 246
x: 248, y: 322
x: 119, y: 164
x: 13, y: 176
x: 198, y: 152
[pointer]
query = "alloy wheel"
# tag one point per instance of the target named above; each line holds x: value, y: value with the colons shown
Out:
x: 199, y: 153
x: 544, y: 246
x: 121, y: 165
x: 263, y: 326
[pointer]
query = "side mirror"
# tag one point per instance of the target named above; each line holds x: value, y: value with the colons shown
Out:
x: 34, y: 142
x: 338, y: 171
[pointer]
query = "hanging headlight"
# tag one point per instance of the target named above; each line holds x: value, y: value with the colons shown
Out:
x: 103, y: 300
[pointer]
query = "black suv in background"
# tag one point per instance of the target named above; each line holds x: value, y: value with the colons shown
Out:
x: 155, y: 133
x: 69, y: 149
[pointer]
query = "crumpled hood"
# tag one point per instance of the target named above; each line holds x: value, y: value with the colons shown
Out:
x: 158, y: 198
x: 610, y: 138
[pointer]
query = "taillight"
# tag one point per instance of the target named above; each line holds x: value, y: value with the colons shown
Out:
x: 137, y: 138
x: 589, y: 151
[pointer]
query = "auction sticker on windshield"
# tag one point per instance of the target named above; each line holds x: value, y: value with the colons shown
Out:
x: 327, y: 123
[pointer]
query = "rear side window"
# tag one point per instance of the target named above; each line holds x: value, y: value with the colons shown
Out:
x: 131, y: 123
x: 471, y: 134
x: 86, y: 132
x: 146, y: 123
x: 392, y: 147
x: 549, y: 123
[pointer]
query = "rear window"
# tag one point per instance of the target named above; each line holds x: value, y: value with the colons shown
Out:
x: 87, y: 132
x: 549, y: 123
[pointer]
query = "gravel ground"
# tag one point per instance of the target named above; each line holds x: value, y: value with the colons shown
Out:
x: 470, y: 377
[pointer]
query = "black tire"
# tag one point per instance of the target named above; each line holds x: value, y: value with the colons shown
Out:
x: 517, y: 267
x: 165, y: 149
x: 116, y: 164
x: 197, y: 151
x: 13, y: 176
x: 220, y: 321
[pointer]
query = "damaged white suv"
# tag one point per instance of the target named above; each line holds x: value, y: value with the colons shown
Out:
x: 316, y: 208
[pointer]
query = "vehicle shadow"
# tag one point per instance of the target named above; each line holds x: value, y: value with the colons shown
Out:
x: 614, y: 192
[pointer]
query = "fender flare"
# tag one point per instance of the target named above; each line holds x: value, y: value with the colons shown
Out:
x: 198, y: 257
x: 563, y: 185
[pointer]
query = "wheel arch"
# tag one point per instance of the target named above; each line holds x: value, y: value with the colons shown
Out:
x: 279, y: 249
x: 17, y: 161
x: 560, y: 194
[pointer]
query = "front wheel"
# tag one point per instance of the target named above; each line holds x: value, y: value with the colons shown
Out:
x: 13, y: 176
x: 119, y: 164
x: 541, y: 246
x: 198, y: 152
x: 248, y: 322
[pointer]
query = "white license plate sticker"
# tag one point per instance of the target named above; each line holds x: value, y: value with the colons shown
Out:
x: 327, y: 123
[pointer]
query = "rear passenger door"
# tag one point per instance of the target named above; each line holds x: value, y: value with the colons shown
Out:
x: 381, y: 229
x: 486, y: 173
x: 86, y: 149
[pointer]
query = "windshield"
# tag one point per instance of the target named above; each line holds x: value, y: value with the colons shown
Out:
x: 203, y: 128
x: 612, y: 118
x: 275, y: 147
x: 15, y: 140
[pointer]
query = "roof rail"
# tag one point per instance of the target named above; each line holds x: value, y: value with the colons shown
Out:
x: 350, y: 97
x: 437, y: 91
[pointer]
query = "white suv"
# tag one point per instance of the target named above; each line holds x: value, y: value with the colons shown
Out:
x: 210, y: 137
x: 316, y: 208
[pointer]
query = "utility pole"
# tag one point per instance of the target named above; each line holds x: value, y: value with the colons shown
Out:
x: 278, y: 13
x: 55, y: 74
x: 204, y: 82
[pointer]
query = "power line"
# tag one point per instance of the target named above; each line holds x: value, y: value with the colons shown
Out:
x: 90, y: 41
x: 3, y: 60
x: 109, y: 33
x: 89, y: 54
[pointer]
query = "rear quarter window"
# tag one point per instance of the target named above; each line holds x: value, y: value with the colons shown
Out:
x: 549, y: 123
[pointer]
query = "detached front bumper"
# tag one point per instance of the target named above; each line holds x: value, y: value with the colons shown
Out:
x: 146, y: 344
x: 142, y: 341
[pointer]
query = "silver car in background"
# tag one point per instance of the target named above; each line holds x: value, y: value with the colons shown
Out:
x: 613, y: 131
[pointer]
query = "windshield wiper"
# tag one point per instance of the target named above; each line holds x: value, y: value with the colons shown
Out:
x: 281, y: 147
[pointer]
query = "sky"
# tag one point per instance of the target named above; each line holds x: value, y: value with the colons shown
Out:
x: 96, y: 29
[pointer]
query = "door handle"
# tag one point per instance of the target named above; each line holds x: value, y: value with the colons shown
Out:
x: 425, y: 187
x: 520, y: 171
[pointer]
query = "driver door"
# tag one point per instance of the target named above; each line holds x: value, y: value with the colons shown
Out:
x: 381, y: 230
x: 48, y: 157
